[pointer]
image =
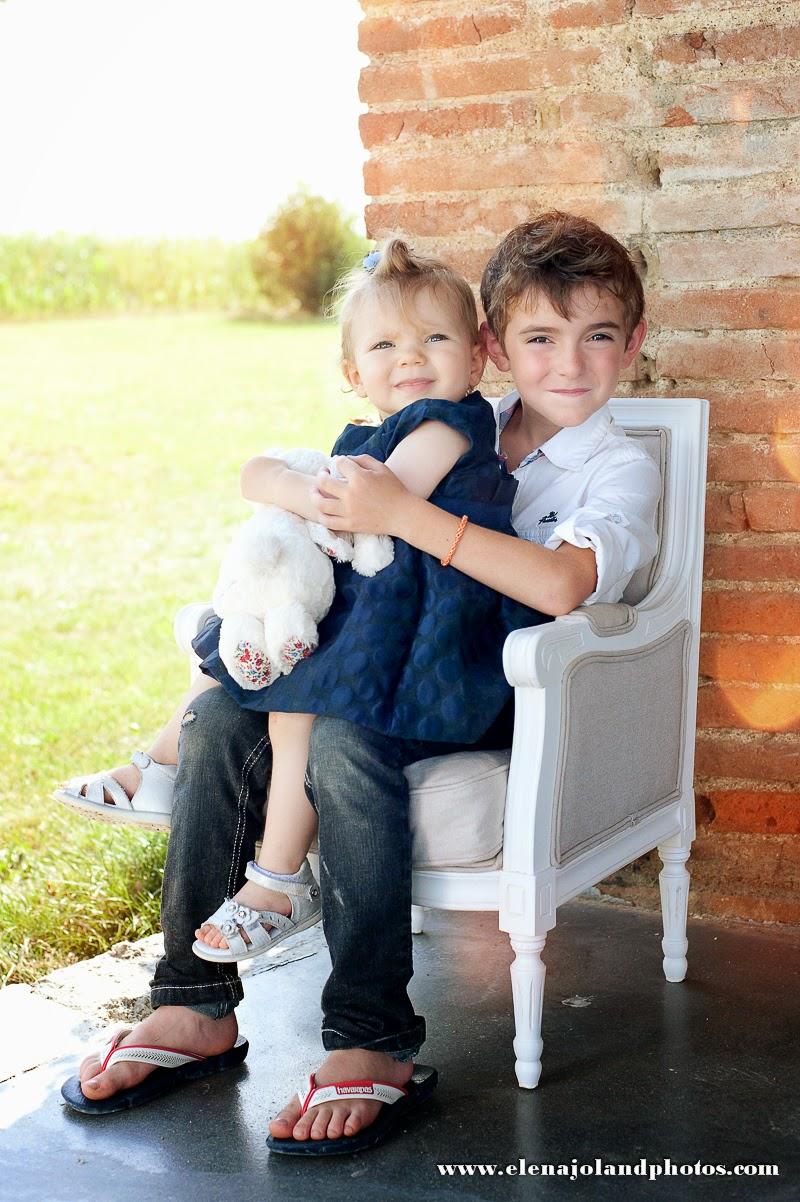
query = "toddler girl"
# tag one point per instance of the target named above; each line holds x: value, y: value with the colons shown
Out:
x: 415, y: 651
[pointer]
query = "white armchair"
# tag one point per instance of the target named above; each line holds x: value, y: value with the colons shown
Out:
x: 601, y: 767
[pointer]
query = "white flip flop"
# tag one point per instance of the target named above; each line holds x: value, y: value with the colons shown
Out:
x: 150, y: 806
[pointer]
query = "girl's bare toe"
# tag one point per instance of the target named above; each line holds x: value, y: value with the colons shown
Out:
x: 209, y: 935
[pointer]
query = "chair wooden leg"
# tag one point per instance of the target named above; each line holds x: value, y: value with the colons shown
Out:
x: 527, y: 987
x: 417, y: 920
x: 673, y: 882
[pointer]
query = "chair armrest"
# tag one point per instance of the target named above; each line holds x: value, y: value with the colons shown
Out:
x: 605, y: 618
x: 538, y: 656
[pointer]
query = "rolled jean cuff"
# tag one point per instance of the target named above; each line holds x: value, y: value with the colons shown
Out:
x: 214, y: 1010
x: 404, y: 1046
x: 215, y: 1001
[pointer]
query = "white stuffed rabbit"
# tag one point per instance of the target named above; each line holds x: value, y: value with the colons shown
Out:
x: 276, y: 583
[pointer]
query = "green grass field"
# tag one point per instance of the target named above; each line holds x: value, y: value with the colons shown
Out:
x: 118, y: 491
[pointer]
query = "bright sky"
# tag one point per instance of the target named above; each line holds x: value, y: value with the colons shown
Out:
x: 174, y: 117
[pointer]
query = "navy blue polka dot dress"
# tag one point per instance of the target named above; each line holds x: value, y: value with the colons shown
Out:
x: 414, y: 652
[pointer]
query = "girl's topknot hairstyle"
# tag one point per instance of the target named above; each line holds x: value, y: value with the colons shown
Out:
x: 397, y: 273
x: 554, y: 255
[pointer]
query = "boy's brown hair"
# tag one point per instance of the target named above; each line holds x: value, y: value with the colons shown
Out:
x: 553, y: 255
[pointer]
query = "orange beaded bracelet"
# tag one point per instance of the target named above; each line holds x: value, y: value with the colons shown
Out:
x: 462, y: 525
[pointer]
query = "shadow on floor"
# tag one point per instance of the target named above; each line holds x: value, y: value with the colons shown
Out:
x: 704, y: 1072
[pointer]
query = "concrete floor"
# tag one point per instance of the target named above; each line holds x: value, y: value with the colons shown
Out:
x: 703, y: 1071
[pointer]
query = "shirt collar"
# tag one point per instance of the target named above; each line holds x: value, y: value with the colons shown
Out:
x: 573, y: 445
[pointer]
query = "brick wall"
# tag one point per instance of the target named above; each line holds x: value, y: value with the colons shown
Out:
x: 674, y: 124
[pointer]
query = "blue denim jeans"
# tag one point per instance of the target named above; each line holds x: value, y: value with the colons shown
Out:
x: 361, y: 795
x: 224, y: 761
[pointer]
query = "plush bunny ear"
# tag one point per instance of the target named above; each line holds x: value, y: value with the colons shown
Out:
x: 337, y: 546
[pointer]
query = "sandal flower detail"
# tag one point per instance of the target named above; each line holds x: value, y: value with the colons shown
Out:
x: 234, y: 920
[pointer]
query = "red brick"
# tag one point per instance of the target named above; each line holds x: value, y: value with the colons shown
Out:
x: 447, y: 121
x: 677, y: 116
x: 749, y: 903
x: 753, y: 660
x: 390, y: 82
x: 379, y: 127
x: 747, y: 756
x: 734, y: 356
x: 754, y: 459
x: 771, y: 561
x: 720, y: 257
x: 553, y: 67
x: 765, y: 44
x: 736, y: 204
x: 734, y: 611
x: 740, y: 100
x: 392, y: 35
x: 725, y: 151
x: 481, y: 215
x: 772, y: 509
x: 728, y: 865
x: 762, y: 409
x: 461, y: 168
x: 683, y: 48
x: 725, y: 511
x: 588, y: 14
x: 750, y: 811
x: 485, y: 215
x: 758, y: 707
x: 725, y: 308
x: 615, y: 108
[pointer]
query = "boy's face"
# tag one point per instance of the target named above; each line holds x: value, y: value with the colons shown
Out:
x: 566, y: 368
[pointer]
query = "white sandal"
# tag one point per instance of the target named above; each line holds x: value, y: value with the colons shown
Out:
x: 231, y: 918
x: 150, y: 806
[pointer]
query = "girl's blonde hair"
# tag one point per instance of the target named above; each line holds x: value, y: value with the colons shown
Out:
x: 397, y: 273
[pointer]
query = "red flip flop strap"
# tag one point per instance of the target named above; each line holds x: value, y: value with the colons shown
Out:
x: 377, y: 1091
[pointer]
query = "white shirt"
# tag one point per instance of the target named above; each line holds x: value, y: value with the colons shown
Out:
x: 592, y: 486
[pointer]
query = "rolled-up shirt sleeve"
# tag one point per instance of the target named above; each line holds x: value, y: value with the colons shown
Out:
x: 617, y: 520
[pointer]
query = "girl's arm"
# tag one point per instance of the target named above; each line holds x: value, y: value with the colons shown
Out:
x: 271, y: 482
x: 420, y: 461
x: 372, y: 500
x: 425, y: 456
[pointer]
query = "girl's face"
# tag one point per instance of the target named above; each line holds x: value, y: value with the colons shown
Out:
x: 400, y: 357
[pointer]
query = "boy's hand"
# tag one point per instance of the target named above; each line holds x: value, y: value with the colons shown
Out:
x: 368, y: 500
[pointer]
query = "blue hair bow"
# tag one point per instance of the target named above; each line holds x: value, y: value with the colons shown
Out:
x: 371, y: 261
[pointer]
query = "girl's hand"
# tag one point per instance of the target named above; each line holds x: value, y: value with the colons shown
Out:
x: 369, y: 500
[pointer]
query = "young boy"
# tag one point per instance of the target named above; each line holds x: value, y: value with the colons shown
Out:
x: 564, y: 316
x: 564, y: 310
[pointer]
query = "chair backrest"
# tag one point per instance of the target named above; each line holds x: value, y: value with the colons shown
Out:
x: 674, y: 431
x: 656, y: 442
